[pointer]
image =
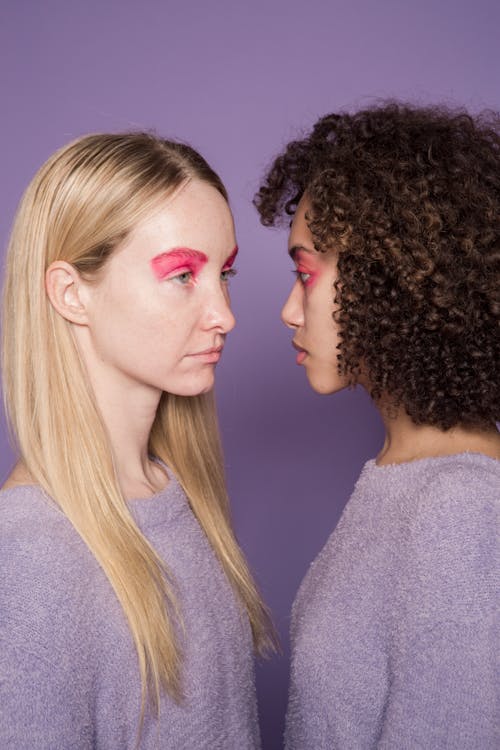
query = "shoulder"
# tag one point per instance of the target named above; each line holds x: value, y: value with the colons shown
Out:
x: 26, y: 514
x: 464, y: 467
x: 32, y: 526
x: 36, y: 538
x: 459, y: 491
x: 49, y: 579
x: 452, y: 544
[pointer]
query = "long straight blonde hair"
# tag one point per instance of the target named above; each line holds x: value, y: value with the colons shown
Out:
x: 80, y: 205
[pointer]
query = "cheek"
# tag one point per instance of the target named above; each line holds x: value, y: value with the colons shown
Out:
x: 164, y: 330
x: 131, y: 321
x: 318, y: 312
x: 315, y: 309
x: 145, y: 316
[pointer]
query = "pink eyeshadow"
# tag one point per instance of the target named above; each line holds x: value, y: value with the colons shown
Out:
x: 229, y: 262
x: 167, y: 263
x: 303, y: 266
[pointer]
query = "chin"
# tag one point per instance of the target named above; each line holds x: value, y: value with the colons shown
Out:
x: 326, y: 387
x: 193, y: 389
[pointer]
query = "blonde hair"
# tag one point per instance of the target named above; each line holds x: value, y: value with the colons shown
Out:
x: 79, y: 206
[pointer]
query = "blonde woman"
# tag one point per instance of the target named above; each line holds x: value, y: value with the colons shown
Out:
x: 127, y: 612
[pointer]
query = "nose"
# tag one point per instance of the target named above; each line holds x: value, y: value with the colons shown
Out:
x: 218, y: 313
x: 292, y: 313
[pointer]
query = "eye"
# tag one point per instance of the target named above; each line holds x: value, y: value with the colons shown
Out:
x: 227, y: 274
x: 183, y: 278
x: 302, y: 276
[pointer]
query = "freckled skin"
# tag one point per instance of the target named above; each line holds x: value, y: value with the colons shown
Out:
x: 147, y: 320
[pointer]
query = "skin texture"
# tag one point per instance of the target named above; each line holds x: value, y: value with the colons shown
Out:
x: 145, y: 333
x: 309, y: 307
x: 140, y: 335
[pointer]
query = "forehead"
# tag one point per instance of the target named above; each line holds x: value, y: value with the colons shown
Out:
x: 301, y: 240
x: 196, y: 215
x: 300, y: 234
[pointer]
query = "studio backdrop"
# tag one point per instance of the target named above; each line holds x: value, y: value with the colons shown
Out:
x: 238, y: 80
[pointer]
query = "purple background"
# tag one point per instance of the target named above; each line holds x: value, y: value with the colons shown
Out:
x: 237, y: 81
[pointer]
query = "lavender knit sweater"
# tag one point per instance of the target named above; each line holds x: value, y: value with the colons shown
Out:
x: 68, y: 670
x: 395, y: 632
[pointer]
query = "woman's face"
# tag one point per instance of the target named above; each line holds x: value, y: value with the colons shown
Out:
x: 308, y: 310
x: 159, y: 312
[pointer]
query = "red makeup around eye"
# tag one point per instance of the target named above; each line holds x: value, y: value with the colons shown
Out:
x: 229, y: 262
x: 305, y: 264
x: 180, y: 259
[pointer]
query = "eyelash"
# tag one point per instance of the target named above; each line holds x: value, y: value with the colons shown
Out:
x: 228, y: 273
x: 184, y: 277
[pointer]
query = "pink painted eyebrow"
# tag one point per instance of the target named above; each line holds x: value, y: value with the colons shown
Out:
x: 229, y: 262
x: 298, y: 249
x: 179, y: 257
x: 302, y: 257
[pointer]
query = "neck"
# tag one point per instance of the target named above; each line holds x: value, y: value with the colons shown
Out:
x: 128, y: 410
x: 406, y: 441
x: 128, y: 414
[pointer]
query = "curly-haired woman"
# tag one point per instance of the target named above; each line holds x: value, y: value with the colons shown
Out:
x: 396, y: 242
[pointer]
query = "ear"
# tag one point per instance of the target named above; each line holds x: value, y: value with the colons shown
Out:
x: 66, y: 291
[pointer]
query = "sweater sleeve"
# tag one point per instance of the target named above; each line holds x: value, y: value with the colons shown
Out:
x: 39, y: 706
x: 442, y: 672
x: 45, y: 669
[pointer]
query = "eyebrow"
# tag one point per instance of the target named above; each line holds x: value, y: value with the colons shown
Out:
x: 181, y: 252
x: 297, y: 249
x: 230, y: 260
x: 170, y: 260
x: 165, y: 262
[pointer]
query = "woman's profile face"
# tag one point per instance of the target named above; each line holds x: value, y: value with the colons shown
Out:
x: 159, y: 311
x: 309, y: 307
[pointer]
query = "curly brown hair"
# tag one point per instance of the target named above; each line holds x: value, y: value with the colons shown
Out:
x: 410, y: 199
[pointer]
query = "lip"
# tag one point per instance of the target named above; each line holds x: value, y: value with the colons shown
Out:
x: 211, y: 355
x: 302, y: 353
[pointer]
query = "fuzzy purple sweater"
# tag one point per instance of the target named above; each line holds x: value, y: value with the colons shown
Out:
x: 69, y: 677
x: 395, y: 627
